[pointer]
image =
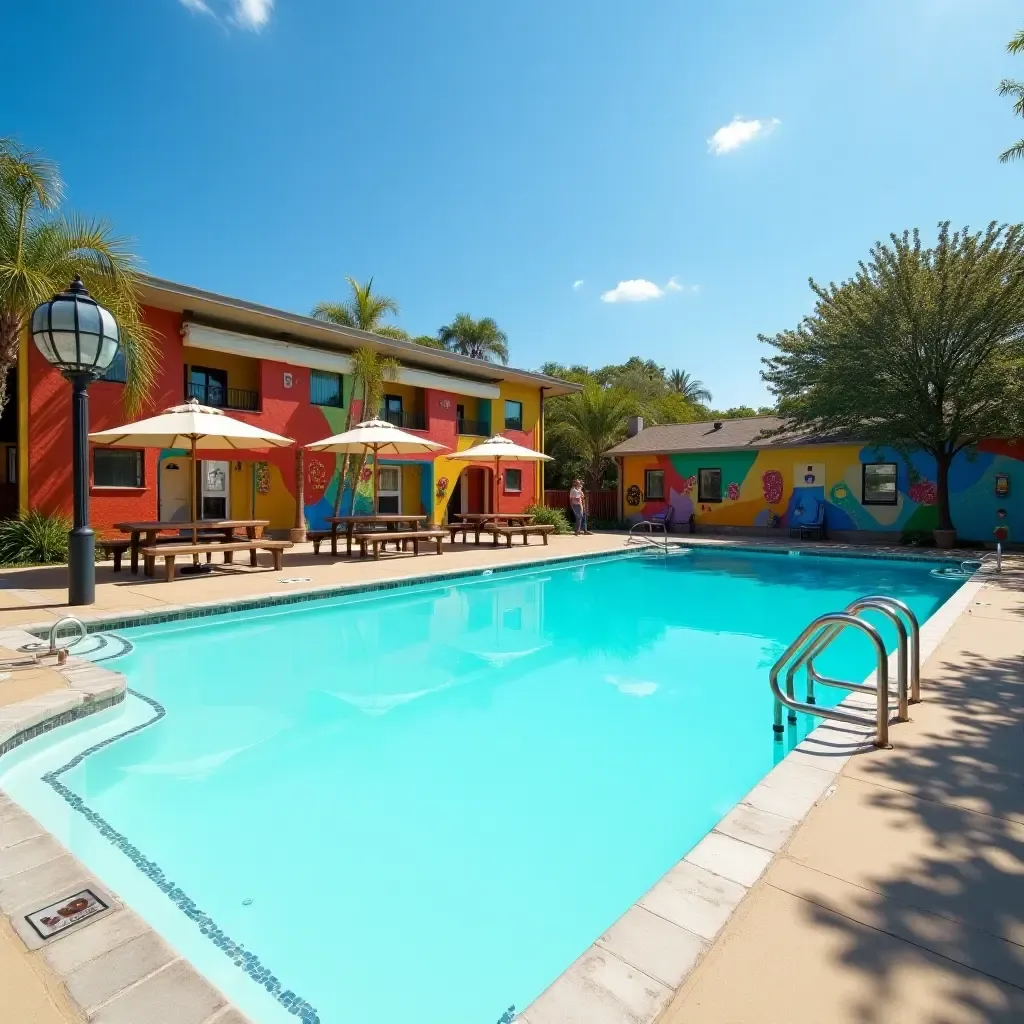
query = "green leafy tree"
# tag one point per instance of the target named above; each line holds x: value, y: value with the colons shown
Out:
x: 693, y: 390
x: 479, y: 339
x: 1015, y: 90
x: 741, y: 412
x: 364, y: 310
x: 586, y: 424
x: 427, y: 341
x: 42, y: 249
x: 371, y: 372
x: 921, y: 348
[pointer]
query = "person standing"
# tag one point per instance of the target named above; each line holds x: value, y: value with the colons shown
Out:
x: 578, y: 506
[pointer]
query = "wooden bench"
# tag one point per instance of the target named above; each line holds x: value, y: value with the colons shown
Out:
x: 508, y: 532
x: 377, y: 538
x: 465, y: 529
x: 169, y: 552
x: 115, y: 548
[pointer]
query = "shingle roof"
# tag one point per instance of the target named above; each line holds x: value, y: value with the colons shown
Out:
x: 697, y: 437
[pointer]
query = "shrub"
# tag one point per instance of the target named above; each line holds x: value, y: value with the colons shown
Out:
x: 918, y: 539
x: 34, y: 539
x: 544, y: 516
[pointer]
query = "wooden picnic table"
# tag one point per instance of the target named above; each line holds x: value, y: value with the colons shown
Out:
x: 479, y: 520
x: 388, y: 520
x: 224, y: 527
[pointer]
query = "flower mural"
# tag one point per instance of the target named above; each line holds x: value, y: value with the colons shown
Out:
x: 923, y: 492
x: 733, y: 491
x: 771, y: 486
x: 317, y: 477
x: 633, y: 496
x: 262, y: 477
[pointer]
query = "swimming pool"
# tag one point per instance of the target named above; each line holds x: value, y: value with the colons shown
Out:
x: 423, y: 803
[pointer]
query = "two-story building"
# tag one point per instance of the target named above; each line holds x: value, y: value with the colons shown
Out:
x: 292, y: 375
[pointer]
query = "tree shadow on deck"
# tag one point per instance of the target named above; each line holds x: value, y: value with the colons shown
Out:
x: 960, y: 893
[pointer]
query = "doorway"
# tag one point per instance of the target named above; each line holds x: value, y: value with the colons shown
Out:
x: 172, y: 490
x: 389, y: 490
x: 214, y: 489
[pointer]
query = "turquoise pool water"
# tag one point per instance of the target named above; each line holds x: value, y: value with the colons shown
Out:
x: 422, y: 804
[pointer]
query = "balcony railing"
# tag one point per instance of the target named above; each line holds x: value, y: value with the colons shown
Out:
x: 405, y: 420
x: 479, y: 428
x: 225, y: 398
x: 513, y: 424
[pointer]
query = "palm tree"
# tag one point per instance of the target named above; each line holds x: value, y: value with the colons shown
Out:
x: 479, y: 339
x: 692, y: 390
x: 1009, y: 87
x: 371, y: 371
x: 363, y: 310
x: 41, y: 251
x: 589, y: 422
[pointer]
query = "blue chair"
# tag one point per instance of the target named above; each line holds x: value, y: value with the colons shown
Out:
x: 663, y: 519
x: 813, y: 527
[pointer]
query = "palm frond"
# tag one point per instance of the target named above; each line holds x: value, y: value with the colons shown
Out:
x: 25, y: 174
x: 334, y: 313
x: 1016, y: 44
x: 1015, y: 152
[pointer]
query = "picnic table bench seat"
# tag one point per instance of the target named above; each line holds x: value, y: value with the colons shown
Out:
x: 508, y: 532
x: 169, y: 552
x: 377, y: 538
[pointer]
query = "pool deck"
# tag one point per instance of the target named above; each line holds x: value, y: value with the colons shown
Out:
x: 893, y: 880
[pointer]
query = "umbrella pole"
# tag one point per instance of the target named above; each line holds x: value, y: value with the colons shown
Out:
x: 192, y: 489
x: 497, y: 461
x: 374, y: 471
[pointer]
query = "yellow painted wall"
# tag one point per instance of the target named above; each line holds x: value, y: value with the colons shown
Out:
x: 277, y: 505
x: 412, y: 474
x: 241, y: 489
x: 412, y: 397
x: 529, y: 396
x: 243, y: 373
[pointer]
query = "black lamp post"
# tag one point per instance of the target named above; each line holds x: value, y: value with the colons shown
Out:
x: 80, y: 338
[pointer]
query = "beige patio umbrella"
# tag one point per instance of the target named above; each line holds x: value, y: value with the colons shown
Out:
x: 195, y: 427
x: 374, y: 436
x: 494, y: 450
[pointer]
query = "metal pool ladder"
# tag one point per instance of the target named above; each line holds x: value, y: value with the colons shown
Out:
x: 820, y: 633
x: 662, y: 545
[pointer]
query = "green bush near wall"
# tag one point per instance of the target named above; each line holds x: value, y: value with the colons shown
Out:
x: 34, y: 539
x: 544, y: 516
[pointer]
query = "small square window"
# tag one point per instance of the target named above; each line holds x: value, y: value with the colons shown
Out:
x: 114, y: 467
x: 325, y: 388
x: 513, y: 481
x: 654, y: 485
x: 879, y: 484
x: 513, y: 415
x: 709, y: 485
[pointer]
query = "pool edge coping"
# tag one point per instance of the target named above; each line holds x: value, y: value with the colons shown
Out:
x: 635, y: 967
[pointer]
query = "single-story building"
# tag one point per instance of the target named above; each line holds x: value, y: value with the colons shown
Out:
x: 731, y: 477
x: 292, y: 375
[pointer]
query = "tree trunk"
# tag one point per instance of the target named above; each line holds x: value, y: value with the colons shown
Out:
x: 298, y: 532
x: 942, y: 463
x: 345, y: 461
x: 10, y: 333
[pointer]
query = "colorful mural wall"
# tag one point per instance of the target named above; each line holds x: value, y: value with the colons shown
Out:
x: 776, y: 487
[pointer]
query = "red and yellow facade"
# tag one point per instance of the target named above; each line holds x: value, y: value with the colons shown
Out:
x: 268, y: 368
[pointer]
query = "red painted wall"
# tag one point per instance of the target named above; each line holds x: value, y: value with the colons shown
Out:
x: 49, y: 431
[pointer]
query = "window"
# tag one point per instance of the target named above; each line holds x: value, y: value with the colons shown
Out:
x: 654, y: 485
x: 117, y: 371
x: 210, y: 387
x: 879, y: 484
x: 325, y: 388
x: 513, y: 480
x: 113, y: 467
x: 392, y: 411
x: 513, y: 415
x: 709, y: 485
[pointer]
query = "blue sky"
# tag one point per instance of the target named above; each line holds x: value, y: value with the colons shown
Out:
x: 485, y: 157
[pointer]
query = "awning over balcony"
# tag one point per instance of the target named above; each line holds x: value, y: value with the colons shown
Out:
x: 215, y: 339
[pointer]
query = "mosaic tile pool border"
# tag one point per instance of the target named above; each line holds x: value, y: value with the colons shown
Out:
x: 248, y: 961
x: 64, y: 718
x: 322, y: 593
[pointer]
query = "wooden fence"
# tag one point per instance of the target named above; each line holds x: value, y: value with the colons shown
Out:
x: 600, y: 504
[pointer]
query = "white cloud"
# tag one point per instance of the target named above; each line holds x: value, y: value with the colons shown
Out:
x: 577, y: 285
x: 253, y: 14
x: 639, y: 290
x: 249, y: 14
x: 740, y: 131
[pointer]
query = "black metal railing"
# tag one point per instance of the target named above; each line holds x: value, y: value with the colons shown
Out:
x: 513, y: 424
x: 405, y: 420
x: 225, y: 398
x: 479, y: 428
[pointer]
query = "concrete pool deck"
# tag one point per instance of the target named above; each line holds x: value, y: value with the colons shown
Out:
x: 855, y: 892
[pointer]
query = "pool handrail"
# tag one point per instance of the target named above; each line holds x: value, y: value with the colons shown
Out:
x: 834, y: 623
